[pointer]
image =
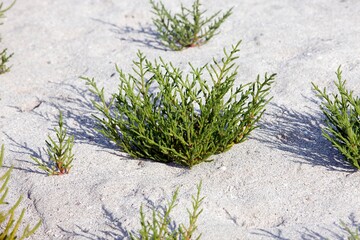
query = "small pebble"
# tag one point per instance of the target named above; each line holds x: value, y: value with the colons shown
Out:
x: 223, y: 168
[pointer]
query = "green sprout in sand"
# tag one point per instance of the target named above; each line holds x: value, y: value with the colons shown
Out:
x: 60, y: 152
x: 188, y: 28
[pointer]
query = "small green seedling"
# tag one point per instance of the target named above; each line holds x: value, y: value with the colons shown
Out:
x: 4, y: 59
x: 3, y: 11
x: 342, y: 112
x: 60, y: 152
x: 188, y: 28
x: 161, y: 114
x: 9, y: 225
x: 161, y: 226
x: 352, y: 234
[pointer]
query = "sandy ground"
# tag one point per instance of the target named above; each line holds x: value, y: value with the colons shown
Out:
x: 285, y: 182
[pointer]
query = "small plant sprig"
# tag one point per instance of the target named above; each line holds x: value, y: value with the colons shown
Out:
x: 162, y: 115
x: 352, y: 234
x: 342, y: 112
x: 9, y: 225
x: 4, y: 57
x: 162, y: 227
x: 188, y: 28
x: 4, y: 60
x: 3, y: 11
x: 60, y: 152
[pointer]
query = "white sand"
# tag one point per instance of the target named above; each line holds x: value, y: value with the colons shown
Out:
x: 285, y: 182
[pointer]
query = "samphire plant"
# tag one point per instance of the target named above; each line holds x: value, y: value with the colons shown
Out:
x: 9, y: 223
x: 60, y: 152
x: 342, y: 112
x: 4, y: 59
x: 161, y: 226
x: 188, y: 28
x: 4, y: 10
x: 4, y: 56
x: 160, y: 113
x: 352, y: 234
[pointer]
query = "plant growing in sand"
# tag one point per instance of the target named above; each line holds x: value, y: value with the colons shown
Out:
x: 9, y: 224
x: 342, y: 112
x: 4, y: 57
x: 3, y: 11
x: 161, y: 225
x: 352, y: 234
x: 60, y: 152
x: 161, y: 114
x: 188, y: 28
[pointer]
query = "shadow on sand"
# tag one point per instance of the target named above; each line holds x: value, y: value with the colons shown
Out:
x: 337, y: 232
x: 299, y: 134
x: 114, y: 230
x: 143, y: 35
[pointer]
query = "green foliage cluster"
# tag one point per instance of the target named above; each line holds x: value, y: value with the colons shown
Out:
x: 60, y: 152
x: 185, y: 120
x: 352, y: 234
x: 4, y: 10
x: 161, y: 225
x: 342, y: 113
x: 4, y: 57
x: 9, y: 225
x: 188, y: 28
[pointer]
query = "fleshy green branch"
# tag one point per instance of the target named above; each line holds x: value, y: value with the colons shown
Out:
x: 4, y: 57
x: 160, y: 113
x: 60, y: 152
x: 9, y: 225
x: 188, y: 28
x: 3, y: 11
x: 342, y: 112
x: 161, y: 225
